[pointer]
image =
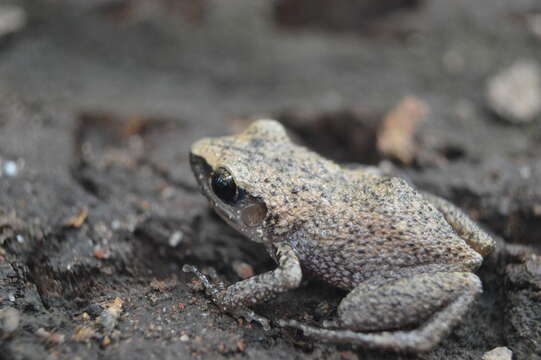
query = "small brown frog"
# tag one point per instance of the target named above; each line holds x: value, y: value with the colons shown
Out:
x: 406, y: 257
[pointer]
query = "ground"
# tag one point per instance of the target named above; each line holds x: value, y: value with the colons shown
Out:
x: 100, y: 101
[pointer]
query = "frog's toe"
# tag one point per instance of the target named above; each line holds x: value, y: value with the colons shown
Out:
x: 327, y: 324
x: 264, y: 322
x: 189, y: 268
x: 198, y: 274
x: 251, y: 316
x: 330, y: 324
x: 214, y: 290
x: 289, y: 323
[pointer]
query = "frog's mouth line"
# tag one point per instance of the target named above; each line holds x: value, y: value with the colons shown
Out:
x: 231, y: 214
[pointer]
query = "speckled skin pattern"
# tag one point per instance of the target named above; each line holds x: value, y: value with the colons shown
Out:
x: 406, y: 256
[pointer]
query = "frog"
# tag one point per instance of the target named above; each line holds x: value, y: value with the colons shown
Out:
x: 406, y: 258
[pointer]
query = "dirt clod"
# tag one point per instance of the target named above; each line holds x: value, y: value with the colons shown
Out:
x: 396, y: 138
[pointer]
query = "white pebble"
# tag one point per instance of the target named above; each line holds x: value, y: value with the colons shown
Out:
x: 515, y: 93
x: 10, y: 168
x: 116, y: 224
x: 176, y: 238
x: 499, y: 353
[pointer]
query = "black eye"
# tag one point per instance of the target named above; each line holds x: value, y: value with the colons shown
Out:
x: 224, y: 186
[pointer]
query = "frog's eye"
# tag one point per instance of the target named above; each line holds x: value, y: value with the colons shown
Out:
x: 224, y: 186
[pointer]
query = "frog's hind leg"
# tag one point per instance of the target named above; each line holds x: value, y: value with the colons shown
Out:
x: 466, y: 228
x: 437, y: 301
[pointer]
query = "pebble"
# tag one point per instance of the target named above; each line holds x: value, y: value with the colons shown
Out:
x: 12, y: 19
x: 243, y: 270
x: 176, y: 238
x: 50, y: 337
x: 9, y: 321
x: 534, y: 265
x: 499, y: 353
x: 514, y: 94
x: 110, y: 315
x: 10, y: 168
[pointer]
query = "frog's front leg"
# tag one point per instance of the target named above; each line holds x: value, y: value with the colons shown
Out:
x: 466, y: 228
x: 429, y: 303
x: 235, y: 298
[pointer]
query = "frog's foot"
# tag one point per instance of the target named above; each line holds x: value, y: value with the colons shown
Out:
x: 433, y: 302
x: 402, y: 341
x: 251, y: 316
x: 216, y: 293
x: 330, y: 324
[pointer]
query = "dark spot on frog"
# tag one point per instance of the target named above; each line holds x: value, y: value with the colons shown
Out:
x: 256, y: 142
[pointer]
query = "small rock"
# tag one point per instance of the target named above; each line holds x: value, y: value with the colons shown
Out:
x: 83, y: 334
x: 10, y: 225
x: 77, y: 220
x: 176, y: 238
x: 242, y: 269
x: 534, y: 266
x: 499, y: 353
x: 515, y: 93
x: 109, y: 316
x: 106, y: 341
x: 184, y: 338
x: 10, y: 168
x: 12, y: 19
x: 9, y: 321
x: 241, y: 346
x: 158, y: 285
x: 50, y: 338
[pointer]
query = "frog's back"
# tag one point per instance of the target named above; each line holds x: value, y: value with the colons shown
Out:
x: 379, y: 225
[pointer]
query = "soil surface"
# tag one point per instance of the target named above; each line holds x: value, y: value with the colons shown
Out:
x: 100, y: 101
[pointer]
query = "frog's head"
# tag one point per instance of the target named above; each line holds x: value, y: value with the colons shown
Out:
x: 234, y: 173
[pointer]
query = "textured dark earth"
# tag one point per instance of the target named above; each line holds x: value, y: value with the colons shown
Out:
x: 101, y: 99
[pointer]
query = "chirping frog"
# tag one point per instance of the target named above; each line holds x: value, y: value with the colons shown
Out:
x: 406, y: 257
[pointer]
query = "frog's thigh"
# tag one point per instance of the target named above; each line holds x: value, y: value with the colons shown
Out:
x: 435, y: 301
x: 405, y: 302
x: 466, y: 228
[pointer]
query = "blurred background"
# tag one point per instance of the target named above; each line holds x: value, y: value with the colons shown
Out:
x: 100, y: 101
